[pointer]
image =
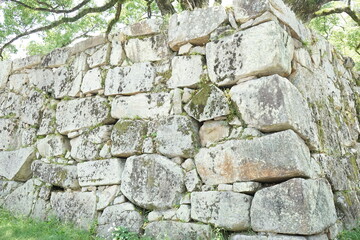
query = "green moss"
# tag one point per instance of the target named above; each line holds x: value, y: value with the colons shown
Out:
x: 166, y: 75
x: 355, y: 167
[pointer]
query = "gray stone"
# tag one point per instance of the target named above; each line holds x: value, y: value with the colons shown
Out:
x: 187, y: 71
x: 18, y: 83
x: 227, y: 210
x: 249, y: 133
x: 192, y: 181
x: 23, y: 199
x: 76, y: 207
x: 4, y: 72
x: 16, y: 165
x: 47, y: 124
x: 88, y: 43
x: 130, y: 80
x: 147, y: 49
x: 273, y: 104
x: 106, y: 196
x: 42, y: 79
x: 246, y: 187
x: 152, y: 105
x: 264, y: 237
x: 127, y: 137
x: 92, y: 81
x: 230, y: 60
x: 188, y: 164
x: 10, y: 104
x: 187, y: 95
x: 100, y: 56
x: 117, y: 55
x: 63, y: 82
x: 208, y: 103
x: 55, y: 174
x: 154, y: 216
x: 185, y: 49
x: 213, y: 131
x: 177, y: 230
x: 53, y: 146
x: 271, y: 158
x: 101, y: 172
x: 122, y: 215
x: 8, y: 129
x: 28, y: 62
x: 78, y: 114
x: 225, y: 187
x: 30, y: 112
x: 152, y: 181
x: 144, y: 28
x: 7, y: 187
x: 194, y: 26
x: 56, y: 58
x: 298, y: 206
x: 176, y: 101
x: 176, y: 136
x: 183, y: 213
x: 88, y: 145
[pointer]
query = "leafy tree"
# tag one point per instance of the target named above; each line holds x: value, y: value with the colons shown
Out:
x: 60, y: 22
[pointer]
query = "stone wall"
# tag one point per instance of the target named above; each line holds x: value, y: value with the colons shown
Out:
x: 238, y: 118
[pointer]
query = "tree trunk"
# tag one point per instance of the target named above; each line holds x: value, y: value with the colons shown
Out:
x: 192, y: 4
x: 305, y: 9
x: 165, y: 7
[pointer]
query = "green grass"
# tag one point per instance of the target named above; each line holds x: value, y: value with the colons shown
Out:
x: 350, y: 235
x: 22, y: 228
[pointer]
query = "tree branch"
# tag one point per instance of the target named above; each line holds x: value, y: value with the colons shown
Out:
x: 346, y: 9
x: 51, y: 9
x: 81, y: 14
x: 115, y: 19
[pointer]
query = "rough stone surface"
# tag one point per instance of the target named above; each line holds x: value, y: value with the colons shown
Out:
x: 16, y: 165
x: 28, y: 62
x: 56, y: 58
x: 99, y: 57
x: 298, y: 206
x: 176, y: 136
x: 213, y: 131
x: 30, y: 111
x: 177, y: 230
x: 55, y: 174
x: 117, y: 55
x: 53, y: 146
x: 147, y: 49
x: 273, y: 104
x: 88, y: 145
x: 231, y: 59
x: 127, y: 137
x: 77, y: 207
x: 92, y: 81
x: 102, y: 172
x: 246, y: 187
x: 42, y: 79
x: 124, y: 215
x: 228, y: 210
x: 144, y: 28
x: 210, y: 102
x: 194, y: 26
x: 106, y: 196
x: 77, y: 114
x: 152, y: 181
x: 130, y: 80
x: 4, y: 72
x: 187, y: 71
x: 143, y: 105
x: 10, y: 104
x: 275, y: 157
x: 192, y: 181
x: 7, y: 134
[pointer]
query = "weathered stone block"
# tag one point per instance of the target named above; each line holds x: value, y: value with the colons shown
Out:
x: 213, y: 131
x: 92, y: 81
x: 130, y: 80
x: 124, y: 215
x: 10, y: 104
x: 42, y: 79
x: 106, y: 196
x: 7, y: 187
x: 53, y: 146
x: 16, y: 165
x: 178, y: 230
x: 56, y: 58
x: 176, y: 136
x: 100, y: 57
x: 101, y: 172
x: 144, y: 28
x: 28, y: 62
x: 187, y: 71
x: 127, y: 137
x: 89, y: 144
x: 77, y: 114
x: 228, y: 210
x: 192, y: 181
x: 273, y: 104
x: 271, y: 158
x: 147, y: 49
x: 152, y: 181
x: 47, y: 124
x: 18, y: 83
x: 152, y: 105
x: 231, y: 59
x: 30, y: 112
x: 55, y: 174
x: 8, y: 129
x: 210, y: 102
x: 298, y: 206
x: 246, y: 187
x: 76, y: 207
x: 194, y: 26
x: 5, y: 70
x: 117, y: 55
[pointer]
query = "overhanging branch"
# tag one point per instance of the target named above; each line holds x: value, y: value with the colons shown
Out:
x: 51, y: 9
x: 115, y: 19
x: 347, y: 9
x: 54, y: 24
